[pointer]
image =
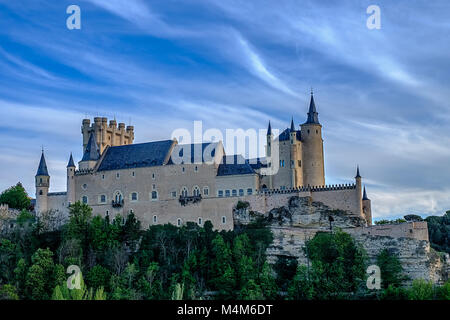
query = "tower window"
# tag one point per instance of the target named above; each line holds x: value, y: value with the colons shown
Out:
x: 84, y: 199
x: 196, y: 169
x: 308, y: 131
x: 224, y: 220
x: 117, y: 175
x: 153, y: 176
x: 317, y: 131
x: 155, y: 219
x: 299, y: 163
x: 40, y: 192
x: 200, y: 221
x: 178, y: 222
x: 133, y: 174
x: 154, y: 195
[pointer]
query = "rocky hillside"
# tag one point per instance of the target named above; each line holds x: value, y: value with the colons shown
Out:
x: 301, y: 218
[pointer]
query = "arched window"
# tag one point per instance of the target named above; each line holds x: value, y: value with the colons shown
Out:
x: 155, y: 219
x: 184, y: 192
x: 196, y: 191
x: 40, y: 192
x: 179, y: 222
x: 118, y: 198
x: 200, y: 221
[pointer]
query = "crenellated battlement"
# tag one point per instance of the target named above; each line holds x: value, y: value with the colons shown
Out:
x: 112, y: 134
x: 332, y: 187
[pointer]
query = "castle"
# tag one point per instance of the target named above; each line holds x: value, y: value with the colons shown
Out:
x: 166, y: 182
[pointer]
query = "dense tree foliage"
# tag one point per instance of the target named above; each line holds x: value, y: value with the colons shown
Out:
x: 16, y: 197
x: 119, y: 261
x: 439, y: 232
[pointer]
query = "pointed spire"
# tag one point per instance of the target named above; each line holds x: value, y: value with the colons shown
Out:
x: 357, y: 172
x: 42, y: 169
x: 71, y: 163
x: 365, y: 194
x: 92, y: 152
x: 292, y: 124
x: 313, y: 116
x: 269, y: 129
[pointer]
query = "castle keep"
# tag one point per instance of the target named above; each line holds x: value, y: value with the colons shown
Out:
x: 166, y: 182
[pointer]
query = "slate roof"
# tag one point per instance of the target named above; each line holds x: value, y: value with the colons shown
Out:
x: 313, y: 116
x: 193, y: 153
x: 365, y: 194
x: 234, y: 165
x: 92, y: 152
x: 42, y: 169
x: 71, y: 163
x: 135, y: 155
x: 269, y: 129
x: 257, y: 163
x: 286, y: 135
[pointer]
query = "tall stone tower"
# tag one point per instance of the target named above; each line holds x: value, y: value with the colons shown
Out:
x: 358, y: 199
x: 312, y: 149
x: 269, y: 154
x: 296, y: 157
x: 367, y: 207
x: 42, y: 182
x: 71, y: 181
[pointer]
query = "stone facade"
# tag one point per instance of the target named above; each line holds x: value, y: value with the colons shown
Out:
x: 166, y: 182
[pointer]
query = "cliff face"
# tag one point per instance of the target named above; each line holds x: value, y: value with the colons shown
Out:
x: 301, y: 218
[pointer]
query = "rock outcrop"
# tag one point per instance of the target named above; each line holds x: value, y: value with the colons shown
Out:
x: 301, y: 218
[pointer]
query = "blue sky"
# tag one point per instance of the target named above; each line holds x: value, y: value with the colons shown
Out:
x: 382, y: 95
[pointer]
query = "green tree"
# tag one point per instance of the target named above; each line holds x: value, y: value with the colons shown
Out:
x: 443, y: 292
x: 16, y: 197
x: 8, y: 292
x: 80, y: 215
x: 62, y: 292
x: 267, y: 282
x: 421, y: 290
x: 251, y: 291
x: 24, y: 217
x: 301, y: 287
x: 391, y: 269
x: 98, y: 277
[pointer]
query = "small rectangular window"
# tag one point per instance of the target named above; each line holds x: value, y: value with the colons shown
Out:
x: 227, y: 193
x: 220, y: 193
x: 249, y: 191
x: 234, y: 192
x: 174, y: 194
x: 206, y: 191
x: 224, y: 220
x: 241, y: 192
